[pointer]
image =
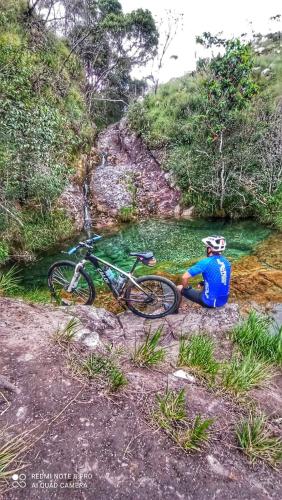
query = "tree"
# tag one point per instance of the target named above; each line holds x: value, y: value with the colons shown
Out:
x: 227, y: 87
x: 110, y: 43
x: 170, y: 25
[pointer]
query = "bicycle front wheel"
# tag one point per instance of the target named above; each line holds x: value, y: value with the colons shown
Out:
x: 68, y: 289
x: 157, y: 297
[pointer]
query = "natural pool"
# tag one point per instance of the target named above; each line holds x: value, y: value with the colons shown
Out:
x: 174, y: 242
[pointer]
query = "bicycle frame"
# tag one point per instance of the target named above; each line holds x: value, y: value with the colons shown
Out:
x: 89, y: 257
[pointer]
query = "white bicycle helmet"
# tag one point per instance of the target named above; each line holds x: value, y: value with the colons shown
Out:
x: 216, y: 243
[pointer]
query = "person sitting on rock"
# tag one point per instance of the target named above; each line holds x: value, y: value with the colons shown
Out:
x: 216, y: 271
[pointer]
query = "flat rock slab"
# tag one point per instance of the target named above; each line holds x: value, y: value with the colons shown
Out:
x: 197, y: 319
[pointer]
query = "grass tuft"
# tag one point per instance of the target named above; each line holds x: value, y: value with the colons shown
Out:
x: 12, y: 451
x: 194, y: 437
x: 171, y: 416
x: 198, y: 352
x: 257, y: 442
x: 149, y: 353
x: 97, y: 365
x: 255, y: 335
x: 63, y: 336
x: 171, y: 407
x: 9, y: 281
x: 245, y: 373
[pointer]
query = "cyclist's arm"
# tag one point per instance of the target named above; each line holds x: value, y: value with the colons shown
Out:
x: 194, y: 270
x: 185, y: 279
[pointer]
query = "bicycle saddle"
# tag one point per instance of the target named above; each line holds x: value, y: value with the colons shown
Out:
x: 142, y: 255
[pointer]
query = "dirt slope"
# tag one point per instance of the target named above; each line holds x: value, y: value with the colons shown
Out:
x: 109, y: 439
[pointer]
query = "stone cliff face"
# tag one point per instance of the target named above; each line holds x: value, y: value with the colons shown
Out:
x: 129, y: 176
x: 75, y: 197
x: 121, y: 173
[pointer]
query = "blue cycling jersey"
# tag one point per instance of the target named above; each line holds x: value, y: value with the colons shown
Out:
x: 216, y: 271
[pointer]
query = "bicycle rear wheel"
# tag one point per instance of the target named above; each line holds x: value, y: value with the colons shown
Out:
x: 60, y: 276
x: 157, y: 297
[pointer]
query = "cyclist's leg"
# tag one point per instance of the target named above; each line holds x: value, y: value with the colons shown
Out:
x: 193, y: 295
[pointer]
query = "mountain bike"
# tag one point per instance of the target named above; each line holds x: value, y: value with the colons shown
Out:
x: 147, y: 296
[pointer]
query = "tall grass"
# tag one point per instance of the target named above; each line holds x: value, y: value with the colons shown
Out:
x: 171, y: 416
x: 198, y: 352
x: 171, y: 407
x: 256, y: 440
x: 149, y: 353
x: 12, y: 451
x: 196, y: 435
x: 63, y: 336
x: 9, y: 281
x: 97, y: 365
x: 245, y: 373
x: 256, y: 335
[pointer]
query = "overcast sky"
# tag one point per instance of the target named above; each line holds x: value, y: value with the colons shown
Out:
x: 233, y: 18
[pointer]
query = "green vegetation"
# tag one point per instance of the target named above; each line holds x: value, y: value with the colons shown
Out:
x: 97, y: 365
x: 258, y: 335
x: 63, y: 336
x: 198, y: 352
x: 59, y: 75
x: 219, y: 128
x: 194, y: 437
x: 170, y: 414
x: 42, y: 108
x: 245, y: 373
x: 149, y: 353
x: 109, y: 43
x: 4, y: 252
x: 171, y: 407
x: 127, y: 214
x: 9, y: 281
x: 35, y: 295
x: 257, y: 442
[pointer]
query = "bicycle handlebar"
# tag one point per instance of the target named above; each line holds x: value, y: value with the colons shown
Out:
x: 87, y: 244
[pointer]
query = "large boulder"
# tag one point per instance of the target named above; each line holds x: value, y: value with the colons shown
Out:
x: 130, y: 176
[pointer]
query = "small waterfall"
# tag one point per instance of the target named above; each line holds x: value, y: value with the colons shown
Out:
x: 87, y: 216
x: 104, y: 158
x: 86, y: 208
x: 86, y: 192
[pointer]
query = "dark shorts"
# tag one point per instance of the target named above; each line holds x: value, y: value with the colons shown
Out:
x: 194, y: 295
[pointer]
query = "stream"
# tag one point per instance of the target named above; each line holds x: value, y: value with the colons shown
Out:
x: 175, y: 243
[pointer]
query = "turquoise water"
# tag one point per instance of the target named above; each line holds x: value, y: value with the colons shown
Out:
x: 174, y: 242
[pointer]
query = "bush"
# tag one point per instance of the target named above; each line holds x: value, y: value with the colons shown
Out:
x: 41, y: 231
x: 42, y: 111
x: 220, y: 120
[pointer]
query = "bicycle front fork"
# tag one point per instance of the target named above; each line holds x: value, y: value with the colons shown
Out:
x: 75, y: 278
